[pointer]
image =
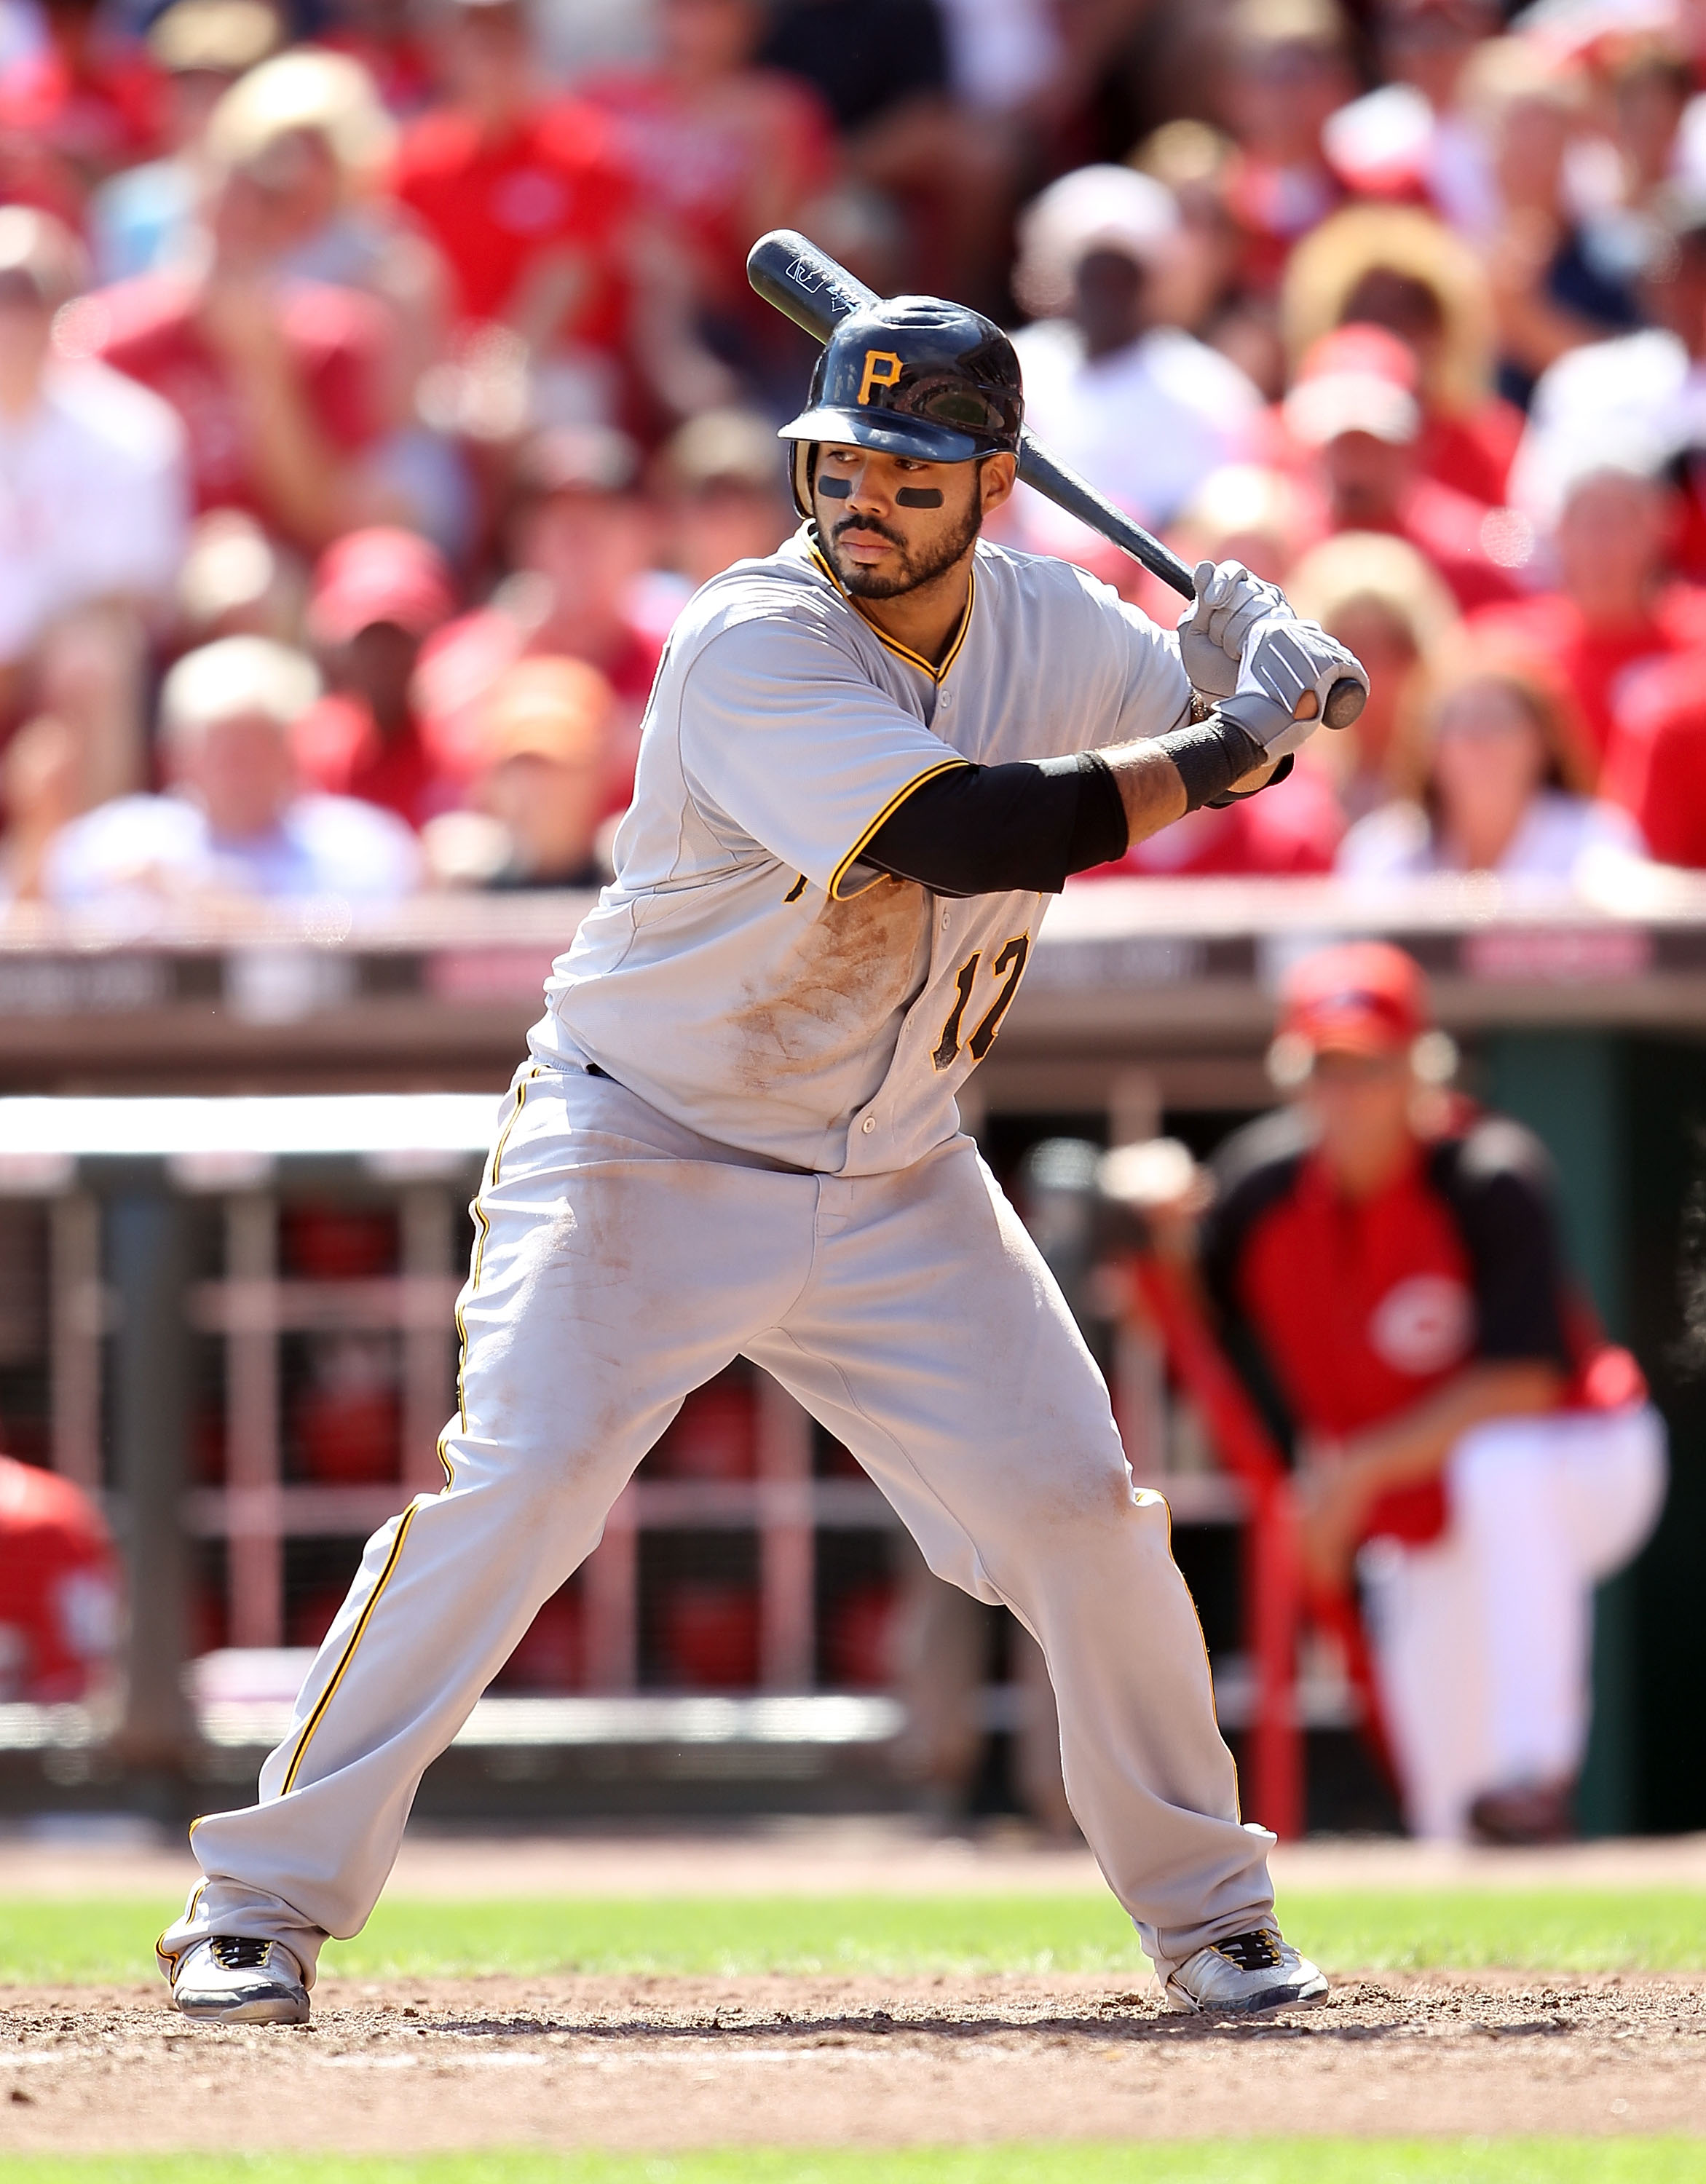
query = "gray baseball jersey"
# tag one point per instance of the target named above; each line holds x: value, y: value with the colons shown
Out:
x: 745, y: 974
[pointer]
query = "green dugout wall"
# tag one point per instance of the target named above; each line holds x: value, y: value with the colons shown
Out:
x: 1625, y: 1119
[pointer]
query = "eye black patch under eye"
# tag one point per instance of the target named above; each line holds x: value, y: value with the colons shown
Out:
x: 918, y: 496
x: 835, y: 488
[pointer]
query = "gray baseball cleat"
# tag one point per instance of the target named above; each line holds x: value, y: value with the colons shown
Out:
x: 1244, y: 1974
x: 234, y: 1979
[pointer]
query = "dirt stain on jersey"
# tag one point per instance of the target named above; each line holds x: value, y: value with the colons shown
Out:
x: 858, y: 962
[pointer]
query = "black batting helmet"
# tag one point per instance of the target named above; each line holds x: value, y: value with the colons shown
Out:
x: 911, y: 376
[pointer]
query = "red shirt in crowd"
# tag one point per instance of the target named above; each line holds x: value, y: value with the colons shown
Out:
x: 98, y: 109
x: 1599, y: 665
x: 339, y: 750
x: 146, y: 328
x: 1359, y: 1308
x: 460, y: 662
x: 1477, y: 549
x: 1292, y: 829
x: 1655, y: 764
x: 59, y: 1587
x: 1473, y: 454
x: 706, y: 174
x: 494, y: 208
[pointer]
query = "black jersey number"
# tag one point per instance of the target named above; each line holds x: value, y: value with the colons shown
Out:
x: 1008, y: 969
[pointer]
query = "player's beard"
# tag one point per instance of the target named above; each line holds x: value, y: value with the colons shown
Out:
x: 922, y: 567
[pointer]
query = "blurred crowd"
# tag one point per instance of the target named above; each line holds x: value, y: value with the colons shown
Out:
x: 377, y: 377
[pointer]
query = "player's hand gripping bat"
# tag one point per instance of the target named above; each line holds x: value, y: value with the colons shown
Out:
x: 807, y: 285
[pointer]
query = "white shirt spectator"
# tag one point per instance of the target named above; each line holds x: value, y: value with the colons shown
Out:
x: 1146, y: 424
x: 238, y: 823
x: 94, y: 500
x: 1640, y: 399
x: 155, y: 847
x: 1556, y: 832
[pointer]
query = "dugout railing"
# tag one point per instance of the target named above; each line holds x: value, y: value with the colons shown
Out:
x: 196, y: 1254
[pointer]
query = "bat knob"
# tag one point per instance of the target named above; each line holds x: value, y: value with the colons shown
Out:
x: 1344, y: 701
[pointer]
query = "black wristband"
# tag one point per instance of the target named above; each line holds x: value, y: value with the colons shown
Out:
x: 1209, y: 756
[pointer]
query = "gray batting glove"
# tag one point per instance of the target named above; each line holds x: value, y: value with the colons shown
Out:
x: 1285, y: 660
x: 1213, y: 633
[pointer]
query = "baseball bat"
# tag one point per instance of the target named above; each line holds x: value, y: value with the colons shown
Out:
x: 807, y: 285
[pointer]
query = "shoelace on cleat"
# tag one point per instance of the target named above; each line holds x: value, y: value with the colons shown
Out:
x: 240, y: 1953
x: 1256, y: 1951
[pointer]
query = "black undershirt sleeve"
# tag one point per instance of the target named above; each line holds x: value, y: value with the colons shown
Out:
x: 1027, y: 827
x: 1003, y: 829
x: 1498, y: 1184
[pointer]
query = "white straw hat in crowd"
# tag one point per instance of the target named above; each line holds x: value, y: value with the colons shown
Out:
x: 306, y: 91
x: 1101, y: 207
x: 233, y: 676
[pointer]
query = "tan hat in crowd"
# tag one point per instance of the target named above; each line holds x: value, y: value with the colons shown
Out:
x: 306, y: 91
x: 214, y: 37
x: 547, y: 708
x: 721, y: 447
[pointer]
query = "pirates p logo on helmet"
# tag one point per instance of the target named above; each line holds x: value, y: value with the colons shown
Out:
x: 881, y: 369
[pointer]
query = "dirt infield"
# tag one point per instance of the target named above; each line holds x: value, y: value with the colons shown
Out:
x: 674, y: 2062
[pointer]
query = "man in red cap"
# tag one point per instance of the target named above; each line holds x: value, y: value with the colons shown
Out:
x: 1355, y: 417
x: 1466, y: 1441
x: 378, y: 594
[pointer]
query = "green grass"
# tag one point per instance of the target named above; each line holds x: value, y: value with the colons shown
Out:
x: 55, y: 1942
x: 1262, y: 2161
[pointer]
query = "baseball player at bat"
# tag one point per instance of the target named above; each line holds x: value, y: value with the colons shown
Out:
x: 867, y: 762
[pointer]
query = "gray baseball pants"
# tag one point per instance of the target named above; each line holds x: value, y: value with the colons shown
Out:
x: 620, y: 1262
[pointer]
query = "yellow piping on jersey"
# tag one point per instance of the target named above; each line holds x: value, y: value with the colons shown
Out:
x: 349, y: 1654
x: 1143, y: 1493
x: 852, y: 857
x: 484, y: 1228
x: 170, y: 1957
x: 937, y: 675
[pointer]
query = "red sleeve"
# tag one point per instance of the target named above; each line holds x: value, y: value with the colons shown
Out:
x: 1473, y: 454
x: 338, y: 338
x: 327, y: 743
x: 580, y: 143
x: 1672, y: 808
x: 1682, y: 616
x: 404, y: 182
x: 1655, y: 766
x: 1292, y: 829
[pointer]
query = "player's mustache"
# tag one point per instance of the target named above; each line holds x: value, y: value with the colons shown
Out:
x: 867, y: 523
